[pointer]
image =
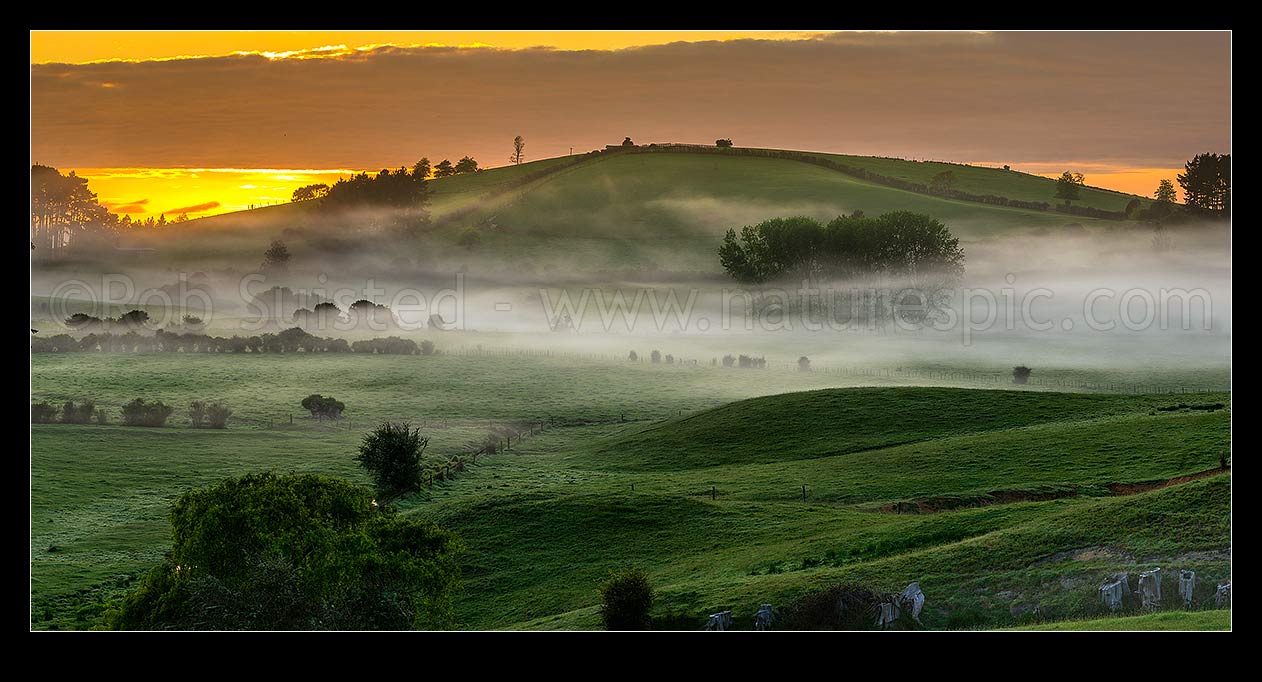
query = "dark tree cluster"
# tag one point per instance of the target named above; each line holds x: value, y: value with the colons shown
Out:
x: 899, y: 244
x: 295, y: 552
x: 133, y: 319
x: 626, y: 599
x: 391, y: 345
x: 292, y: 340
x: 1206, y: 183
x: 141, y: 413
x: 66, y: 214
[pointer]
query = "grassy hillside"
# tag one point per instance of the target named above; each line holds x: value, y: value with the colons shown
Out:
x: 986, y: 180
x: 636, y: 212
x: 546, y: 521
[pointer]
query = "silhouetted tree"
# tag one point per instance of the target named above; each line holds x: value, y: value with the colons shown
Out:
x: 444, y: 169
x: 307, y: 192
x: 633, y: 357
x: 804, y: 364
x: 1206, y: 183
x: 421, y: 170
x: 65, y: 212
x: 723, y: 143
x: 466, y: 165
x: 1020, y: 374
x: 655, y: 357
x: 519, y: 146
x: 1165, y: 192
x: 626, y: 142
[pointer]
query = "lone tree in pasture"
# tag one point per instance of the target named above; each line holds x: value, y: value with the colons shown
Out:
x: 1020, y: 374
x: 1206, y: 183
x: 321, y: 407
x: 519, y: 147
x: 1068, y: 184
x: 633, y: 357
x: 294, y: 552
x: 626, y: 142
x: 392, y: 456
x: 276, y: 257
x: 625, y: 600
x: 466, y: 165
x: 804, y: 364
x: 1165, y: 192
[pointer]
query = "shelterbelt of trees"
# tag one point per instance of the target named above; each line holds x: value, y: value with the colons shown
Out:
x: 293, y: 340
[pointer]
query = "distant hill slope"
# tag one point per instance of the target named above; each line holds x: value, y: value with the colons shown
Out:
x: 664, y: 211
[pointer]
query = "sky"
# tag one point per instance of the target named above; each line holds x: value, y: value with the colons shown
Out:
x: 208, y: 122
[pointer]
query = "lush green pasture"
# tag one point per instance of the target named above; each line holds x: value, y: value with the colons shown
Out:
x: 546, y: 521
x: 1217, y: 619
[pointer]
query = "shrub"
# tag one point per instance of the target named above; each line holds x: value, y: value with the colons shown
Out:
x: 655, y: 356
x: 217, y: 415
x: 728, y: 360
x: 43, y: 413
x: 71, y: 414
x: 840, y: 607
x: 102, y: 417
x: 626, y: 599
x: 427, y: 347
x: 140, y: 413
x: 197, y: 414
x: 298, y: 552
x: 633, y: 357
x: 392, y: 456
x: 322, y: 407
x: 1020, y: 374
x: 804, y: 364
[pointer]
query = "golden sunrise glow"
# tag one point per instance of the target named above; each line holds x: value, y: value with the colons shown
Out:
x: 149, y: 192
x: 78, y: 47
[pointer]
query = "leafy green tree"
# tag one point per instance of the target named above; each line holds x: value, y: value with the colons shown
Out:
x: 392, y: 456
x: 296, y: 552
x: 321, y: 407
x: 625, y: 600
x: 1206, y: 183
x: 1165, y: 192
x: 1067, y: 186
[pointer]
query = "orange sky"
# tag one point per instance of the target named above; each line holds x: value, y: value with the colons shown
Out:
x: 217, y: 121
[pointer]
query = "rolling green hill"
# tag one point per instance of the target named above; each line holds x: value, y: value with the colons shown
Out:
x: 661, y: 211
x: 710, y: 502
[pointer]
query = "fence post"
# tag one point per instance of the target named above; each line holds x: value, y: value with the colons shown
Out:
x: 291, y: 418
x: 713, y: 492
x: 803, y: 492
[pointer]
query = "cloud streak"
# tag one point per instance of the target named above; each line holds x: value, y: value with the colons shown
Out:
x: 196, y: 208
